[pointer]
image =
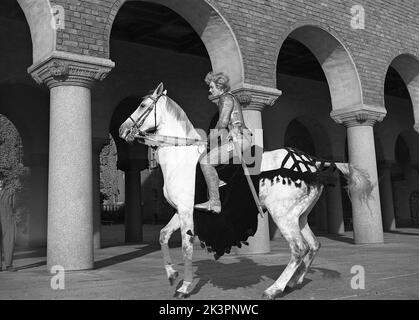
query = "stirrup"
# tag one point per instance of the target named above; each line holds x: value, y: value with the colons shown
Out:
x: 208, y: 206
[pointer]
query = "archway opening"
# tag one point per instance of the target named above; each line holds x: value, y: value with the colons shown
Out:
x: 16, y: 177
x: 16, y: 56
x: 338, y: 68
x: 402, y: 81
x: 27, y: 108
x: 317, y: 75
x: 212, y: 29
x: 159, y: 41
x: 398, y: 135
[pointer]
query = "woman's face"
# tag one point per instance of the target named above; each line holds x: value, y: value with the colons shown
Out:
x: 214, y: 90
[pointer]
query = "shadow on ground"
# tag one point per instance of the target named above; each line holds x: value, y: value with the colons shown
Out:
x: 139, y: 252
x: 336, y: 237
x: 249, y: 273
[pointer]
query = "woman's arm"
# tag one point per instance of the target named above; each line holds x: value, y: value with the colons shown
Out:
x: 227, y: 104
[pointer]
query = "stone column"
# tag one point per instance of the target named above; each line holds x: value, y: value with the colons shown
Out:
x: 38, y: 201
x: 386, y: 196
x: 133, y: 214
x: 253, y: 100
x: 335, y: 223
x: 97, y: 144
x: 359, y: 121
x: 70, y: 195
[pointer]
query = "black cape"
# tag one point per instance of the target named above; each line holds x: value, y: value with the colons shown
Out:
x: 238, y: 219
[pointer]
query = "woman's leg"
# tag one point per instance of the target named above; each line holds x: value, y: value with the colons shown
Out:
x: 216, y: 156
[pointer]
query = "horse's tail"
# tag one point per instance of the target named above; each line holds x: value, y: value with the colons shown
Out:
x: 358, y: 180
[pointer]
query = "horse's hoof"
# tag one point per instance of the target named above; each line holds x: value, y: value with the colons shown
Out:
x: 181, y: 295
x: 268, y: 296
x: 173, y: 278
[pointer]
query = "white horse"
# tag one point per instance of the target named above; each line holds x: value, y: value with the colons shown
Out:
x: 288, y: 204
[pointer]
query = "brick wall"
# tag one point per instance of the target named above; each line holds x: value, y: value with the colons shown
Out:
x: 86, y: 27
x: 262, y: 25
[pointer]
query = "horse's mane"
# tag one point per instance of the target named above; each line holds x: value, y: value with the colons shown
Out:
x: 177, y: 112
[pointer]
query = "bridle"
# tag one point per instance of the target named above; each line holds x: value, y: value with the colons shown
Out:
x: 155, y: 140
x: 140, y: 121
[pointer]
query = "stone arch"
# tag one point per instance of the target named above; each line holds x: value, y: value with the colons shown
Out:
x: 39, y: 16
x: 408, y: 68
x: 213, y: 29
x: 337, y: 64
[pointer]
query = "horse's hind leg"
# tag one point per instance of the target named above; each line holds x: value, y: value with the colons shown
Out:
x: 308, y: 259
x: 165, y: 235
x: 290, y: 229
x: 314, y: 245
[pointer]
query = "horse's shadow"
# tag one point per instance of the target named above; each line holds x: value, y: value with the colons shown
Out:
x: 245, y: 272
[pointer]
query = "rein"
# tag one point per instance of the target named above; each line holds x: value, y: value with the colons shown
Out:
x: 156, y: 140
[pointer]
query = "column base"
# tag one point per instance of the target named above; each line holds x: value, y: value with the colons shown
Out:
x: 259, y: 243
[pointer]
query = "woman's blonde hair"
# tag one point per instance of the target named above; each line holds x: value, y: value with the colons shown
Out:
x: 221, y: 81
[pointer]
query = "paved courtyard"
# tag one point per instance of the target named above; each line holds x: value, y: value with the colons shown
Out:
x: 136, y: 272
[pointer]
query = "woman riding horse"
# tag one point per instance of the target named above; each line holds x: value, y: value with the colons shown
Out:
x: 233, y: 133
x: 287, y: 193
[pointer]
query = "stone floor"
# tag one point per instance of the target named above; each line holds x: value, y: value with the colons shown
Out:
x: 136, y: 272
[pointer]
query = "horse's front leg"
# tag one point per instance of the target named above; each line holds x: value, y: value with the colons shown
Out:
x: 165, y: 235
x: 187, y: 231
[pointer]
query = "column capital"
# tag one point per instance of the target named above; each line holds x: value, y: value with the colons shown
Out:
x: 254, y: 97
x: 68, y: 69
x: 361, y: 115
x: 99, y: 143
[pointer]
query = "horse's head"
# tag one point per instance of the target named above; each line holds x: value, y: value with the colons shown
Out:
x: 145, y: 117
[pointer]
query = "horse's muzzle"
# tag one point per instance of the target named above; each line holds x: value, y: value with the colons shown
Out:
x: 123, y: 132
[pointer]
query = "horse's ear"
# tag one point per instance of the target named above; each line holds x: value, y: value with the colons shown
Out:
x: 165, y: 92
x: 159, y: 89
